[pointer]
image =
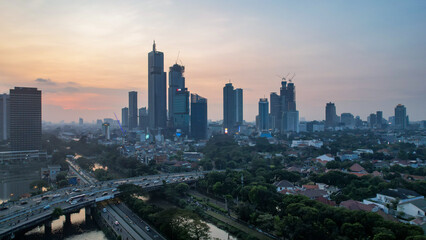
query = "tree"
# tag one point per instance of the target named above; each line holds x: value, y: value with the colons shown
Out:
x: 57, y: 212
x: 182, y: 188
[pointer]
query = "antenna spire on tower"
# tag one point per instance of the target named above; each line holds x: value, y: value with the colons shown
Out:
x: 153, y: 46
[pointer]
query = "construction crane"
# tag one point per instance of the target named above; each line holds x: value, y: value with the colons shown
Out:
x: 283, y: 78
x: 291, y: 79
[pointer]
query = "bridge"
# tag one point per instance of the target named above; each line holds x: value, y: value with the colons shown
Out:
x: 29, y: 213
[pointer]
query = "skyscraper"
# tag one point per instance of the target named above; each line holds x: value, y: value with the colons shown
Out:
x: 330, y: 115
x: 125, y: 117
x: 347, y: 119
x: 80, y: 121
x: 291, y: 97
x: 25, y: 119
x: 176, y: 81
x: 198, y: 117
x: 284, y: 114
x: 239, y: 106
x: 229, y: 108
x: 4, y: 116
x: 275, y: 101
x: 291, y: 121
x: 178, y: 99
x: 263, y: 114
x: 181, y: 110
x: 133, y: 109
x: 157, y: 112
x: 372, y: 120
x: 400, y: 117
x: 379, y: 115
x: 143, y: 118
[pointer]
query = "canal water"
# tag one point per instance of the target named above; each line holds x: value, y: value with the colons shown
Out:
x: 15, y: 182
x: 80, y: 229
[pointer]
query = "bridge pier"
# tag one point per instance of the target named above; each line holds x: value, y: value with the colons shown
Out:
x: 68, y: 219
x: 48, y: 227
x: 88, y: 211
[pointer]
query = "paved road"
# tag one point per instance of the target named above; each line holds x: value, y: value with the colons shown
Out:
x: 117, y: 228
x: 124, y: 211
x: 31, y: 209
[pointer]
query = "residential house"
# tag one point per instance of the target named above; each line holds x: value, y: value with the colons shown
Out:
x: 415, y: 208
x: 284, y: 185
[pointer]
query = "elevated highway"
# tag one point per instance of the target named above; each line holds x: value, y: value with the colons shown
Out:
x: 26, y: 214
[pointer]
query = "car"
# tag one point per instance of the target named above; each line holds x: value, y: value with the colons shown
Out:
x: 114, y: 190
x: 44, y: 197
x: 56, y: 195
x: 3, y: 208
x: 147, y: 229
x: 104, y: 193
x: 116, y: 223
x: 24, y: 202
x: 92, y: 194
x: 77, y: 190
x: 46, y: 207
x: 104, y: 210
x: 146, y: 184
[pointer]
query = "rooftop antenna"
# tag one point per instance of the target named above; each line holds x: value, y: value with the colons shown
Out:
x: 153, y: 46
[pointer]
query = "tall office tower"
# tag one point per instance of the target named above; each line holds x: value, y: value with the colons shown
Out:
x: 330, y: 115
x: 125, y: 117
x: 263, y: 114
x: 178, y: 99
x: 143, y: 118
x: 181, y: 111
x: 348, y: 120
x: 229, y: 108
x: 176, y: 83
x: 372, y: 120
x: 275, y: 120
x: 106, y: 130
x: 291, y: 97
x: 239, y: 106
x: 25, y: 119
x: 198, y: 117
x: 4, y: 116
x: 283, y: 96
x: 379, y: 115
x: 133, y: 109
x: 400, y: 117
x: 291, y: 121
x: 80, y: 121
x: 157, y: 111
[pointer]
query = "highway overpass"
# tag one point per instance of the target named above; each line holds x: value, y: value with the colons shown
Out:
x: 29, y: 213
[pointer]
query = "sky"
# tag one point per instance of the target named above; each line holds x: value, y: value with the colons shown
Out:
x: 86, y: 56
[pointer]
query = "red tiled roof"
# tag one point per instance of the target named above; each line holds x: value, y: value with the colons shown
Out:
x: 355, y: 205
x: 356, y: 168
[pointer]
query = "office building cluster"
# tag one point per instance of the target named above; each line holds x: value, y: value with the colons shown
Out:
x: 282, y: 115
x: 374, y: 120
x: 185, y: 115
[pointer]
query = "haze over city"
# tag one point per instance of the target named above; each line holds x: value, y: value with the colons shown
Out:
x: 363, y: 56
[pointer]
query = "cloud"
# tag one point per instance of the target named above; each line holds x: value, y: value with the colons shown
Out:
x: 69, y: 89
x: 45, y: 81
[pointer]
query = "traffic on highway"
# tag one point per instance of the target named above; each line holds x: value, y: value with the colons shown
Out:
x: 14, y: 215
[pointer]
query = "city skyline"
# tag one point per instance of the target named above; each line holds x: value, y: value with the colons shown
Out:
x: 86, y: 68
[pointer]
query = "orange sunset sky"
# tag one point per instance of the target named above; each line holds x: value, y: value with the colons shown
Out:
x: 86, y: 55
